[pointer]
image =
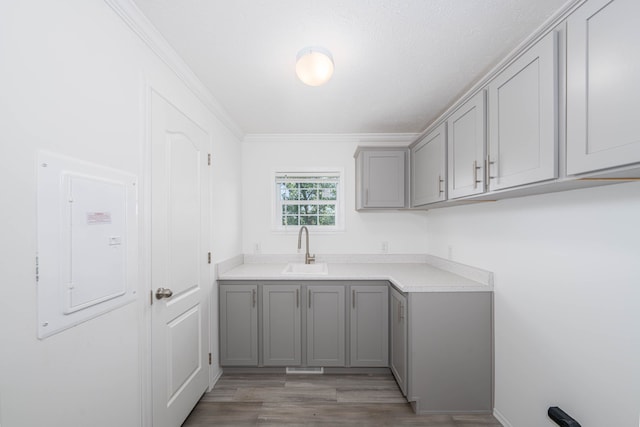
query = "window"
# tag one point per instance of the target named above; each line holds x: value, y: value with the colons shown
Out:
x: 313, y: 199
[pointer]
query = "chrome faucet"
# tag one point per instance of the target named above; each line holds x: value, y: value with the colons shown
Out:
x: 308, y: 259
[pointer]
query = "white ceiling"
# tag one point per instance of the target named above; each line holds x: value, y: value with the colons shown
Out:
x: 398, y: 63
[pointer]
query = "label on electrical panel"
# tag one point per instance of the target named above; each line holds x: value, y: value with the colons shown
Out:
x: 94, y: 218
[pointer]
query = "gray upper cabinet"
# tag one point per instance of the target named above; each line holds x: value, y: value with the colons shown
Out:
x: 398, y: 338
x: 281, y: 325
x: 238, y: 325
x: 523, y: 119
x: 369, y: 326
x: 603, y: 69
x: 381, y: 178
x: 428, y: 168
x: 466, y: 129
x: 325, y: 325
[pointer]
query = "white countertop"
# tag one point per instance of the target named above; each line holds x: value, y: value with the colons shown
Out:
x: 431, y: 275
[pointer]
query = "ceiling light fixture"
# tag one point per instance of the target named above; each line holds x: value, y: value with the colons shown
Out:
x: 314, y: 65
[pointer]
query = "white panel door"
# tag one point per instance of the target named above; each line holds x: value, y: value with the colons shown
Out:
x: 523, y: 133
x: 603, y: 85
x: 179, y: 233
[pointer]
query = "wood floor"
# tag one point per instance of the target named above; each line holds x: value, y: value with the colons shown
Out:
x: 310, y: 400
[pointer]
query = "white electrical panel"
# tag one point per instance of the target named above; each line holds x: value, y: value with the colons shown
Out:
x: 87, y: 241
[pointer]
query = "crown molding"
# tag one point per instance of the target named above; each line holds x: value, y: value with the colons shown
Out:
x: 143, y: 28
x: 388, y: 139
x: 546, y: 27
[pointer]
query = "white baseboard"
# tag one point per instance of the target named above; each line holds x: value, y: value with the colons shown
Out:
x: 214, y: 380
x: 503, y: 420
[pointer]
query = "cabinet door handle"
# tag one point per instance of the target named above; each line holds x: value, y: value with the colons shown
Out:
x: 309, y: 297
x: 353, y: 298
x: 475, y: 174
x: 440, y: 190
x: 297, y: 298
x: 401, y: 311
x: 253, y: 297
x: 487, y: 168
x: 366, y: 202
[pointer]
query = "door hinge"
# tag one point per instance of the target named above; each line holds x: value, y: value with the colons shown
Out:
x: 151, y: 297
x: 209, y: 358
x: 209, y: 159
x: 209, y: 258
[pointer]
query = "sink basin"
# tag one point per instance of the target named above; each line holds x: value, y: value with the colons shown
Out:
x: 318, y: 269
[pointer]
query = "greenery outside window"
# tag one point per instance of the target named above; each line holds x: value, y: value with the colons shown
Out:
x: 310, y: 198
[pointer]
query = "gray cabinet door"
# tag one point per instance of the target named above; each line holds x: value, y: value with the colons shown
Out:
x: 325, y: 325
x: 398, y: 336
x: 238, y: 325
x: 428, y: 168
x: 523, y: 115
x: 466, y: 145
x: 383, y: 178
x: 369, y: 326
x: 603, y: 65
x: 451, y: 351
x: 281, y: 325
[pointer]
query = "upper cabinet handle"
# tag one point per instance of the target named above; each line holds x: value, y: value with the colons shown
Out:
x: 475, y: 174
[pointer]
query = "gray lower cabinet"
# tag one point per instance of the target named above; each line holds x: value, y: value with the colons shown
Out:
x: 398, y: 338
x: 450, y: 352
x: 369, y: 326
x: 281, y: 325
x: 439, y: 345
x: 325, y: 325
x: 238, y: 325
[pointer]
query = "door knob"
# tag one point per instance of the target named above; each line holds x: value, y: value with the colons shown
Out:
x: 163, y: 293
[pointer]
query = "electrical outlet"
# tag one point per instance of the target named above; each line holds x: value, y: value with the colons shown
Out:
x: 257, y: 248
x: 385, y: 247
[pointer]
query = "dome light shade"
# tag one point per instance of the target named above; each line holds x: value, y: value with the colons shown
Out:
x: 314, y: 65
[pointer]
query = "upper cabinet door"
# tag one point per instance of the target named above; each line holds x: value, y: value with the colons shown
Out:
x: 523, y: 115
x: 466, y: 148
x: 603, y: 85
x: 383, y: 178
x: 428, y: 168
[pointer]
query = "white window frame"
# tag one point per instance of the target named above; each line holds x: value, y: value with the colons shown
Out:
x: 276, y: 211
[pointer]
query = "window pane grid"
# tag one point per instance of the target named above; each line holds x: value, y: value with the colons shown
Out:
x: 307, y: 200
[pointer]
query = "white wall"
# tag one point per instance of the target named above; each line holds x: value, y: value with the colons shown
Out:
x: 567, y: 299
x: 72, y: 75
x: 364, y: 231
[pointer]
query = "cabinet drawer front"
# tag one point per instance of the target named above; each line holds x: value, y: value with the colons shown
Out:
x: 603, y: 88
